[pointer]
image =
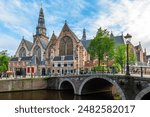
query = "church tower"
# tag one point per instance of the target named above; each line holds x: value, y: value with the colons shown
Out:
x: 84, y: 34
x: 41, y: 29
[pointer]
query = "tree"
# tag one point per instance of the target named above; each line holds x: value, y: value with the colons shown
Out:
x: 101, y: 46
x: 132, y: 57
x: 4, y: 59
x: 120, y: 56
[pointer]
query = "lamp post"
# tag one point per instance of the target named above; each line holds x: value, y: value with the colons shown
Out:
x: 107, y: 63
x: 128, y: 39
x: 141, y: 69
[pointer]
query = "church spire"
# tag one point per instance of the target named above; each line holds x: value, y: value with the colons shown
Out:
x: 41, y: 29
x: 84, y: 34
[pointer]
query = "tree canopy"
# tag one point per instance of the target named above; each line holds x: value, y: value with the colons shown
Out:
x: 120, y: 55
x: 101, y: 46
x: 4, y: 59
x: 121, y: 58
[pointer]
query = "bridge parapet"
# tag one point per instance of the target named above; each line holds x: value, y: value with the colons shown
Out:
x: 127, y: 86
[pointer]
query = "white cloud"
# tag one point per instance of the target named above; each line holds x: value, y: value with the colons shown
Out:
x: 8, y: 43
x: 130, y: 16
x: 20, y: 14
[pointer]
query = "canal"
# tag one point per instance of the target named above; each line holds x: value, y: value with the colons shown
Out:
x: 53, y: 95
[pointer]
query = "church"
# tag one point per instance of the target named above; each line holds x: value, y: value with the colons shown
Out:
x: 64, y: 54
x: 60, y: 55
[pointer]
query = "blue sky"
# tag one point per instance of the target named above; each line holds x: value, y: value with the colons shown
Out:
x: 19, y: 18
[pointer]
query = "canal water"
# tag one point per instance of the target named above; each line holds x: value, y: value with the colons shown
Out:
x: 53, y: 95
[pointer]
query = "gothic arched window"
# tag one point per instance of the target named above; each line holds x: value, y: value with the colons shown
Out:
x: 37, y: 52
x: 22, y: 52
x: 66, y: 46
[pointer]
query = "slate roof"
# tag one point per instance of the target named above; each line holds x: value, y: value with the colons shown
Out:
x: 44, y: 43
x: 119, y: 40
x: 57, y: 58
x: 27, y: 58
x: 86, y: 43
x: 14, y: 59
x: 28, y: 44
x: 137, y: 47
x: 33, y: 59
x: 66, y: 58
x: 69, y: 57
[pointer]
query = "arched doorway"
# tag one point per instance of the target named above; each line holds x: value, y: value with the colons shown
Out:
x: 43, y: 72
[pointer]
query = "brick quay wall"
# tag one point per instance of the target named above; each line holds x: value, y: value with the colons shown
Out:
x: 8, y: 85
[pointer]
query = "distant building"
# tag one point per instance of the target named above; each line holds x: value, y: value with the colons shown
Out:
x: 138, y: 52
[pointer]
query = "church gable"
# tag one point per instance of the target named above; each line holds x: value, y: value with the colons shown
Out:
x: 52, y: 41
x: 50, y: 50
x: 66, y: 31
x: 23, y: 48
x: 41, y: 43
x: 28, y: 44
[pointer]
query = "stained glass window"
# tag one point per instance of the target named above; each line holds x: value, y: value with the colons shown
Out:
x: 66, y: 46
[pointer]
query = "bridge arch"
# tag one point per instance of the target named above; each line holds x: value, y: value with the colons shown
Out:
x: 142, y: 93
x: 68, y: 83
x: 108, y: 80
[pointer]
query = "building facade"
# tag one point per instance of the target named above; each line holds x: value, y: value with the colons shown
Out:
x: 61, y: 55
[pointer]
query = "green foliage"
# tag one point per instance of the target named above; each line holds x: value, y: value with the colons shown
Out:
x: 132, y: 57
x: 116, y: 67
x: 101, y: 46
x: 4, y: 59
x: 120, y: 56
x: 117, y: 96
x: 100, y: 68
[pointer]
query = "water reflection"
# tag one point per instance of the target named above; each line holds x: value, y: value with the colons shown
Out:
x: 52, y: 95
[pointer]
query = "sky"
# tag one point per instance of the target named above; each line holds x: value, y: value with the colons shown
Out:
x: 19, y: 18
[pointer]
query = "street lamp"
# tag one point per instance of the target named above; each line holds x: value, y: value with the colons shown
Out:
x: 107, y: 63
x: 128, y: 39
x: 141, y: 69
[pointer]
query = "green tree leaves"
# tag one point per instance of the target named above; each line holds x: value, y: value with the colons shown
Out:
x: 120, y: 56
x: 4, y: 59
x: 101, y: 46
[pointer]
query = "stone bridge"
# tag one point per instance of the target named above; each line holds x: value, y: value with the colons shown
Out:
x: 127, y: 87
